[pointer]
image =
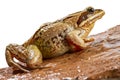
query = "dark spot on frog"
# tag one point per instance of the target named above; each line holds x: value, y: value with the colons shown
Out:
x: 65, y: 30
x: 40, y: 33
x: 48, y: 42
x: 54, y: 39
x: 60, y: 35
x: 79, y: 34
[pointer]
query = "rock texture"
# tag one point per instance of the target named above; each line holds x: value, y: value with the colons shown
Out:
x: 99, y: 61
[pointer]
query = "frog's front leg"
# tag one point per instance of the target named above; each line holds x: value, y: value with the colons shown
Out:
x: 75, y: 41
x: 30, y: 55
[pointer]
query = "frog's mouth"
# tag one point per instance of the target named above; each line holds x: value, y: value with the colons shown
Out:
x: 90, y: 18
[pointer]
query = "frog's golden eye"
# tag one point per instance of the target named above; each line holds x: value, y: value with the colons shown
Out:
x: 90, y: 9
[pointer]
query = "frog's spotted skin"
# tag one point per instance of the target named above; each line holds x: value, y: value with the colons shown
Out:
x: 54, y: 39
x: 53, y: 43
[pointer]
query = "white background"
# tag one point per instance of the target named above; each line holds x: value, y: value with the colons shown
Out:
x: 19, y: 19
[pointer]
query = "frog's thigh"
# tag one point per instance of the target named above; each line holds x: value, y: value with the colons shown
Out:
x: 34, y: 57
x: 75, y: 41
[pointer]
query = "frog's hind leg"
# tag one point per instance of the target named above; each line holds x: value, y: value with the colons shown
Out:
x: 31, y: 56
x: 75, y: 41
x: 11, y: 52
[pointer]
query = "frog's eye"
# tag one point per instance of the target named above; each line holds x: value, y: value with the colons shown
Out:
x: 90, y: 9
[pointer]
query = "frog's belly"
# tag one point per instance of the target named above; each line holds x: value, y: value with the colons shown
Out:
x: 54, y: 50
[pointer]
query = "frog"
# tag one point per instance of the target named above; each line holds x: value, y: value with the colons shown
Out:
x: 52, y: 39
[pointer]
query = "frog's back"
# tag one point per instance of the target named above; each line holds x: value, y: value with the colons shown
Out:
x: 51, y: 41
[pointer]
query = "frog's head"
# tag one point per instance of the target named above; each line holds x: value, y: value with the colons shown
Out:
x: 89, y: 16
x: 85, y: 18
